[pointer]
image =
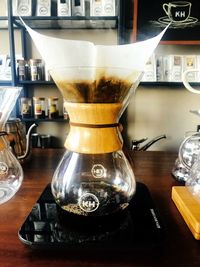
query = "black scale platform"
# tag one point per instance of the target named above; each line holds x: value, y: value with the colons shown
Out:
x: 48, y: 227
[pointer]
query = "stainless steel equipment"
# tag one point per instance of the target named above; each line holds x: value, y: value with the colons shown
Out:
x: 136, y: 143
x: 19, y: 140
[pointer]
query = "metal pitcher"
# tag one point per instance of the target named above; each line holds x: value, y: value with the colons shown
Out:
x: 19, y: 140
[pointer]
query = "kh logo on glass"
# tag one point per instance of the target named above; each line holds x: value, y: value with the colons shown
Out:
x: 98, y: 171
x: 3, y: 169
x: 88, y: 202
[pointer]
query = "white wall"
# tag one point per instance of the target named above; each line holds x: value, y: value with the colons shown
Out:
x: 164, y: 110
x: 156, y: 111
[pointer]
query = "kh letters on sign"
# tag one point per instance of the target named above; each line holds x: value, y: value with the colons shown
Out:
x: 152, y: 16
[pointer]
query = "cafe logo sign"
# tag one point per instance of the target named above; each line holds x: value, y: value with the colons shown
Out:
x: 3, y: 169
x: 88, y: 202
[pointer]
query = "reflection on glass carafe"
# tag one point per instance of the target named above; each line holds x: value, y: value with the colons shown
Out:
x: 193, y: 182
x: 86, y: 184
x: 187, y: 156
x: 11, y: 174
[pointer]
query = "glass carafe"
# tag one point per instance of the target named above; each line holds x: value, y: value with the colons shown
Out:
x: 193, y: 182
x: 188, y: 153
x: 94, y: 178
x: 11, y: 174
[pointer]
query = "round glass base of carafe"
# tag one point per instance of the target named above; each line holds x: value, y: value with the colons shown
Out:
x: 91, y: 223
x: 6, y: 192
x: 94, y: 229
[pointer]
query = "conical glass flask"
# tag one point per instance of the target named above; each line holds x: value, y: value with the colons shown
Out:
x: 188, y: 154
x: 94, y: 177
x: 11, y: 174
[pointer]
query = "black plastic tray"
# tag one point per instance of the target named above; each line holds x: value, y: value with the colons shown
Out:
x: 48, y: 227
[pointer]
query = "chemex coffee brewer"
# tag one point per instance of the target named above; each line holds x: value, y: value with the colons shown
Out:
x: 94, y: 178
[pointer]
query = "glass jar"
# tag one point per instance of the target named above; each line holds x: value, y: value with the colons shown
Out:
x: 193, y: 182
x: 36, y: 70
x: 53, y: 111
x: 39, y: 107
x: 22, y: 70
x: 65, y: 113
x: 11, y: 172
x: 26, y: 107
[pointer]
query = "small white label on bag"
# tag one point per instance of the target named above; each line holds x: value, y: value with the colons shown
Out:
x: 3, y: 168
x: 88, y: 202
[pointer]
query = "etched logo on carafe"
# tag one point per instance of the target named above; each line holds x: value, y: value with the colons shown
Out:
x: 88, y: 202
x: 3, y: 169
x: 98, y: 171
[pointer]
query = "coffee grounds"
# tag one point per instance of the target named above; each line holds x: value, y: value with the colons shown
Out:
x: 104, y: 90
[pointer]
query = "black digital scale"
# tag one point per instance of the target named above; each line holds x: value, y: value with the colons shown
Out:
x: 49, y: 227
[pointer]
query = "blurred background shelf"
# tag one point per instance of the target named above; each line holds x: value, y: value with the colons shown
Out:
x: 5, y: 83
x: 71, y: 22
x: 60, y: 119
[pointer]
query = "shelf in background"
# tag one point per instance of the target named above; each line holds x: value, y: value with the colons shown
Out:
x: 5, y: 83
x: 166, y: 84
x: 60, y: 119
x: 148, y: 84
x: 38, y: 22
x: 3, y: 22
x: 36, y: 82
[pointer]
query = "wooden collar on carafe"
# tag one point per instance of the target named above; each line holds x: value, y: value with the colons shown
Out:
x: 93, y: 127
x: 2, y: 141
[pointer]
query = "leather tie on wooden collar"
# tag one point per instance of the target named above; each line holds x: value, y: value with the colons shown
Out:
x: 94, y: 126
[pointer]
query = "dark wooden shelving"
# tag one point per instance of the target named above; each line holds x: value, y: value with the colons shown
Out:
x: 72, y: 22
x: 36, y: 82
x: 5, y: 83
x: 167, y: 84
x: 60, y: 119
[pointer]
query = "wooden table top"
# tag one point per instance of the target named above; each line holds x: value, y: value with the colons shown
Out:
x: 179, y: 248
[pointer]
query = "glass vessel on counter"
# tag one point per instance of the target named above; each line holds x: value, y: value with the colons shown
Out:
x: 187, y: 156
x: 36, y: 70
x: 193, y: 181
x: 53, y: 111
x: 39, y: 107
x: 26, y: 107
x: 94, y: 178
x: 22, y: 70
x: 11, y: 174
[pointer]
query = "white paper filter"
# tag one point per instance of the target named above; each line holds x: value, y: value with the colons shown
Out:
x: 58, y: 52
